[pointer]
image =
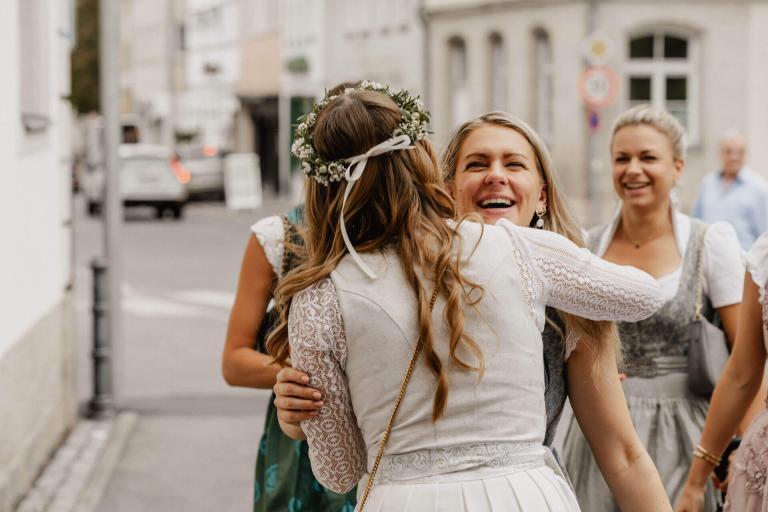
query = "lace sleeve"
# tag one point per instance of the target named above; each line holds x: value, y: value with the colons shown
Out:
x: 270, y: 233
x: 576, y: 281
x: 318, y: 347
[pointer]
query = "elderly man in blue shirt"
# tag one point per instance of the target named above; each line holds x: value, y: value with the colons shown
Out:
x: 735, y: 194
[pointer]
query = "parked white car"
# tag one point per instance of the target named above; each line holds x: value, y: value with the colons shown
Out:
x: 206, y: 169
x: 148, y: 176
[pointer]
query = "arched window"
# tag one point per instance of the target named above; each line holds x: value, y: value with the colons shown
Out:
x: 457, y: 69
x: 497, y: 73
x: 661, y: 71
x: 543, y: 87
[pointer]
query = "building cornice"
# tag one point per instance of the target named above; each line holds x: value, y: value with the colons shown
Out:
x: 494, y: 6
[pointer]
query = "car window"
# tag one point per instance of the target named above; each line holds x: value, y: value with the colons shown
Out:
x: 144, y: 165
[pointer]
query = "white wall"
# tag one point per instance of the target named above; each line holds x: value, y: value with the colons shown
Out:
x: 757, y: 88
x: 208, y: 103
x: 212, y: 33
x: 379, y: 41
x: 304, y: 33
x: 34, y: 260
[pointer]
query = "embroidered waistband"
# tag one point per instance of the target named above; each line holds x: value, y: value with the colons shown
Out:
x: 660, y: 365
x: 454, y: 462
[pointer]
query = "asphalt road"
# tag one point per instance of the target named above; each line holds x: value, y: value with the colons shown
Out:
x: 195, y: 443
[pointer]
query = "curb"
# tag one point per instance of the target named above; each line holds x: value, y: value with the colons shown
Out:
x: 80, y: 471
x: 101, y: 473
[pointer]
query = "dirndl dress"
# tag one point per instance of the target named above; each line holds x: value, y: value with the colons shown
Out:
x: 667, y: 416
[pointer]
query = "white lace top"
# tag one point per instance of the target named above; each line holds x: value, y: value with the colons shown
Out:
x: 270, y: 233
x: 723, y: 264
x: 539, y: 267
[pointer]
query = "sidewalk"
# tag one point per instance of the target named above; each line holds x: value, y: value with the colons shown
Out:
x: 193, y: 440
x: 198, y: 459
x: 77, y: 476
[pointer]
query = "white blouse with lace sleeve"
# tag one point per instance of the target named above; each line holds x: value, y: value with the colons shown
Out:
x: 723, y: 266
x: 560, y: 274
x: 319, y: 348
x: 757, y: 264
x: 270, y: 233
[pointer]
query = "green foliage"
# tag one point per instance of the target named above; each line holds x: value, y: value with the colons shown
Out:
x: 85, y: 58
x: 297, y: 65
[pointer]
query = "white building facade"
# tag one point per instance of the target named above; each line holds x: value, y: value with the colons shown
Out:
x: 326, y: 42
x: 151, y: 34
x: 703, y: 62
x: 37, y: 401
x: 258, y: 86
x: 211, y: 53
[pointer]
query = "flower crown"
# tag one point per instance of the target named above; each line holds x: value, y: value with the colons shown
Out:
x: 413, y: 122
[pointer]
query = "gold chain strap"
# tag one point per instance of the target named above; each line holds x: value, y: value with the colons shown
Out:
x: 388, y: 430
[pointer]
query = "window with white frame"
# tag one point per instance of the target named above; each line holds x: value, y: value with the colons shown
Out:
x: 497, y: 67
x: 661, y: 71
x: 33, y: 65
x: 457, y: 73
x: 543, y: 76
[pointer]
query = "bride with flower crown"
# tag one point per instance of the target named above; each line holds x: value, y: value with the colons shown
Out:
x: 423, y: 331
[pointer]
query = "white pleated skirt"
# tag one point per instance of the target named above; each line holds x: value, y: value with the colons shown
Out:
x: 538, y: 489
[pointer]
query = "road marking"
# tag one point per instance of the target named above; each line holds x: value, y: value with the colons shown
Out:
x: 207, y: 304
x: 209, y: 298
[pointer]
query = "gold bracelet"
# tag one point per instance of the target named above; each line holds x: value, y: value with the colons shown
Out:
x: 706, y: 455
x: 714, y: 462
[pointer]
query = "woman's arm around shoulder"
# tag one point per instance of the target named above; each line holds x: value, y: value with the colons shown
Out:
x: 574, y: 280
x: 319, y: 348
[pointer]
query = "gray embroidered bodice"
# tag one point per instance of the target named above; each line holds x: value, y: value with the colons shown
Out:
x: 659, y: 345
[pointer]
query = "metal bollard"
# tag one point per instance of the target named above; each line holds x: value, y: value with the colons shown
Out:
x: 101, y: 405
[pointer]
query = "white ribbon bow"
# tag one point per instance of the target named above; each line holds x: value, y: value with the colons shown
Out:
x: 359, y: 162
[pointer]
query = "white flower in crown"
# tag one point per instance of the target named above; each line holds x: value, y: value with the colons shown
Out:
x: 335, y: 170
x: 414, y: 123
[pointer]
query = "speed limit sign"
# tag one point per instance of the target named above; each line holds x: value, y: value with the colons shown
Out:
x: 598, y: 86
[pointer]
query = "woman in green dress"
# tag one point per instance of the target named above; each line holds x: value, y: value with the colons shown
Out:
x: 283, y: 480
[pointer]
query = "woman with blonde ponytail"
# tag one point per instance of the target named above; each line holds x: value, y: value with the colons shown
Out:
x: 423, y: 331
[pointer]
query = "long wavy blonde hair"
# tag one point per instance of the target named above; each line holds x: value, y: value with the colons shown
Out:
x: 558, y: 218
x: 401, y: 202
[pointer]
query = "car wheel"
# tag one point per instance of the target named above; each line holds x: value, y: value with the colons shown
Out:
x: 178, y: 212
x: 159, y: 212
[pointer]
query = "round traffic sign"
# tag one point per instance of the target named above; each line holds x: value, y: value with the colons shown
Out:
x: 598, y: 86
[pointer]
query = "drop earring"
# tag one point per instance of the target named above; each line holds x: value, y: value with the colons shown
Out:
x: 540, y: 213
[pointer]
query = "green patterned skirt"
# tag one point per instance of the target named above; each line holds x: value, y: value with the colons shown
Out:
x: 284, y: 479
